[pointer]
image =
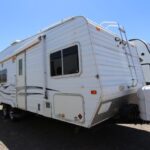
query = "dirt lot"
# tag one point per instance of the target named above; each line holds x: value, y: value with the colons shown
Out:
x: 39, y: 133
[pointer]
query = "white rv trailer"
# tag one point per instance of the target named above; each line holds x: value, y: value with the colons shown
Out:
x: 74, y: 71
x: 143, y: 50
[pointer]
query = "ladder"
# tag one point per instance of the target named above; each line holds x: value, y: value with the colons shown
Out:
x: 127, y: 49
x: 129, y: 56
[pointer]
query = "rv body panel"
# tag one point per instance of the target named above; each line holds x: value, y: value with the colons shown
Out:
x: 74, y: 33
x: 21, y: 80
x: 116, y: 79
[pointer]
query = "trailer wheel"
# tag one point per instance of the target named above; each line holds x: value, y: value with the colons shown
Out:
x: 5, y: 111
x: 12, y: 114
x: 130, y: 112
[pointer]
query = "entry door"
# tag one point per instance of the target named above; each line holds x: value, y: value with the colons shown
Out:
x: 21, y: 84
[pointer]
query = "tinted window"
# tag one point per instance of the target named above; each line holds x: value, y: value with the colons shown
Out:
x: 70, y: 60
x: 20, y: 67
x: 3, y: 76
x: 0, y: 77
x: 56, y: 64
x: 65, y: 61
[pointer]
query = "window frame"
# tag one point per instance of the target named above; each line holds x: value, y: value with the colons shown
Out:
x: 79, y: 61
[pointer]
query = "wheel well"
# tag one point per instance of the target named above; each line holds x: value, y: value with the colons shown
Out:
x: 10, y: 105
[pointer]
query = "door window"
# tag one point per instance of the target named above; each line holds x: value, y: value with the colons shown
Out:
x: 20, y: 67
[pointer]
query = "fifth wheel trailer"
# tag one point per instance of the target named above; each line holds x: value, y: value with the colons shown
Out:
x: 143, y: 93
x: 74, y: 71
x: 143, y: 50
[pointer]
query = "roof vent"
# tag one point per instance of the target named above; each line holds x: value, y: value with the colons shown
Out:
x: 15, y: 42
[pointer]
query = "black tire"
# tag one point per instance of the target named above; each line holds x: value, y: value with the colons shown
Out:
x: 5, y: 111
x: 130, y: 112
x: 12, y: 114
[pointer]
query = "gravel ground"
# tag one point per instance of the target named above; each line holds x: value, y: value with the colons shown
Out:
x: 38, y: 133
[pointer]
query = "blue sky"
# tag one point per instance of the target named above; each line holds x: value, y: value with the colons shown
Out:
x: 22, y: 18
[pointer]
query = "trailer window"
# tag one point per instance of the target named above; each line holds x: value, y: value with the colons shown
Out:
x: 3, y: 76
x: 56, y: 64
x: 65, y: 61
x: 0, y: 77
x: 70, y: 60
x: 20, y: 67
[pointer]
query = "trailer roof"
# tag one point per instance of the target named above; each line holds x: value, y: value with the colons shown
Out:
x: 13, y: 48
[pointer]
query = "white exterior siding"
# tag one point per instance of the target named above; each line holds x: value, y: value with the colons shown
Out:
x: 64, y: 36
x: 112, y: 65
x: 34, y: 78
x: 8, y: 93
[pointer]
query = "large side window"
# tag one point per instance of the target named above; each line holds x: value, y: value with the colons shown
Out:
x: 65, y: 61
x: 56, y: 64
x: 20, y: 67
x: 3, y: 76
x: 70, y: 60
x: 0, y: 77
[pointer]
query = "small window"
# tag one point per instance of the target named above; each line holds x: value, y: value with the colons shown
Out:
x: 3, y: 76
x: 20, y: 67
x: 56, y: 64
x: 0, y: 77
x: 70, y: 60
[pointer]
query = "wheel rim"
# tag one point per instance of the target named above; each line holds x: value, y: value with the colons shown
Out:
x: 5, y: 112
x: 11, y: 115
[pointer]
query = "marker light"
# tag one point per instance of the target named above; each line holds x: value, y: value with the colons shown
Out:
x: 93, y: 92
x: 98, y: 28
